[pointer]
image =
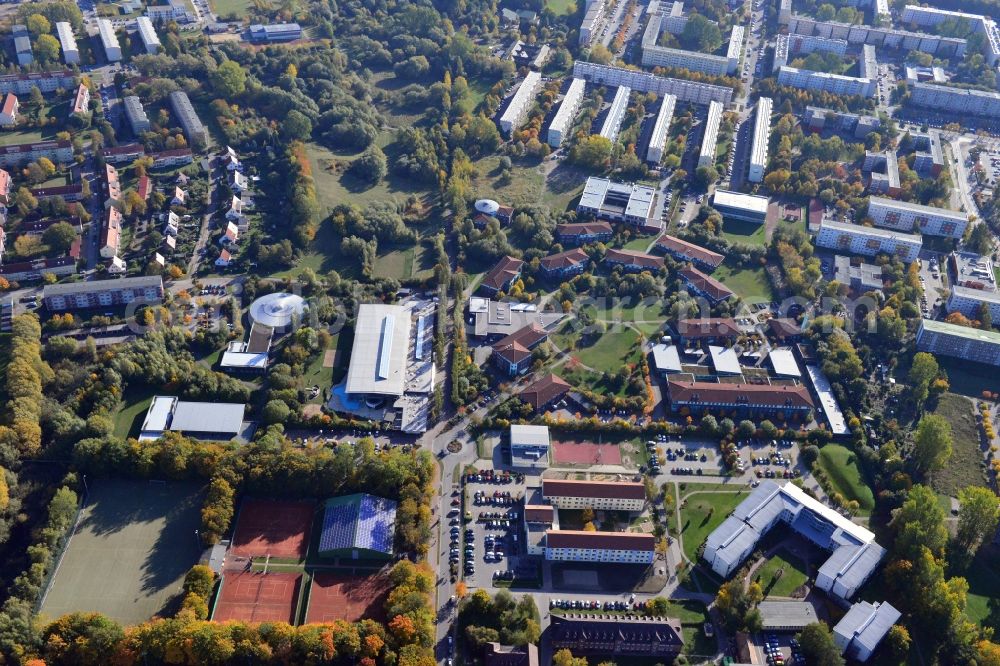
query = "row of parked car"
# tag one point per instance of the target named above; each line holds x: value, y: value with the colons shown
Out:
x: 496, y: 499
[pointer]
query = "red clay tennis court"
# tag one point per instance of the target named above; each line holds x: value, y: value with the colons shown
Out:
x: 278, y: 529
x: 258, y: 597
x: 335, y: 596
x: 588, y: 453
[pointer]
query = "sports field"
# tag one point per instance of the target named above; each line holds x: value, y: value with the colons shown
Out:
x: 337, y: 596
x: 258, y: 597
x: 130, y: 551
x: 590, y: 453
x: 275, y: 528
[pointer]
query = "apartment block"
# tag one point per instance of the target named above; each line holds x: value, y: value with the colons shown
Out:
x: 609, y: 547
x: 616, y: 114
x: 520, y: 103
x: 903, y: 216
x: 961, y: 101
x: 836, y: 84
x: 136, y: 115
x: 147, y: 34
x: 193, y: 128
x: 983, y: 25
x: 761, y: 138
x: 970, y: 344
x: 879, y: 37
x: 709, y: 141
x: 597, y: 495
x: 969, y: 301
x: 109, y: 40
x: 60, y: 152
x: 593, y: 19
x: 685, y: 91
x: 868, y: 241
x: 71, y: 52
x: 562, y: 122
x: 46, y: 82
x: 658, y: 139
x: 102, y: 293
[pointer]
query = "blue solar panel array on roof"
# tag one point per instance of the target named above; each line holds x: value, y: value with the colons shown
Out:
x: 359, y: 521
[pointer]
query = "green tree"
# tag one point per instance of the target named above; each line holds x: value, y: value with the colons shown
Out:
x: 275, y: 411
x: 919, y: 523
x: 46, y: 48
x: 931, y: 444
x: 371, y: 167
x: 59, y: 237
x: 818, y: 646
x: 977, y: 517
x: 565, y: 658
x: 296, y: 126
x: 229, y: 79
x: 592, y: 152
x: 38, y: 25
x: 25, y: 201
x: 922, y: 372
x: 706, y: 175
x: 701, y: 34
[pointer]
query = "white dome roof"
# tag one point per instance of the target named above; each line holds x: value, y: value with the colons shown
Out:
x: 277, y: 310
x: 487, y: 206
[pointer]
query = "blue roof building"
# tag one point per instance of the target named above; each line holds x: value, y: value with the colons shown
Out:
x: 359, y: 526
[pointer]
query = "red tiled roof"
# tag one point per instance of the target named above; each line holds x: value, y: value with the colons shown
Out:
x: 505, y: 271
x: 631, y: 490
x: 583, y: 229
x: 681, y: 248
x: 145, y: 187
x: 518, y: 345
x: 565, y: 259
x: 632, y: 258
x: 9, y: 102
x: 784, y: 328
x: 708, y: 327
x: 544, y: 390
x: 706, y: 283
x: 603, y: 540
x: 739, y: 394
x: 538, y: 513
x: 4, y: 183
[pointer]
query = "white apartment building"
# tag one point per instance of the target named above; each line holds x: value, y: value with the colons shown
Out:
x: 562, y: 122
x: 868, y: 241
x: 984, y: 25
x: 706, y: 155
x: 611, y: 547
x: 868, y: 63
x: 71, y: 52
x: 520, y: 103
x: 785, y: 46
x: 879, y: 37
x: 109, y: 40
x: 658, y: 140
x: 735, y: 48
x: 903, y: 216
x: 46, y: 82
x: 613, y: 121
x: 831, y: 83
x: 864, y: 626
x: 968, y: 301
x: 685, y: 91
x: 971, y: 344
x: 60, y: 152
x: 654, y: 55
x: 597, y: 495
x: 761, y: 137
x: 592, y: 21
x: 150, y: 41
x: 956, y: 100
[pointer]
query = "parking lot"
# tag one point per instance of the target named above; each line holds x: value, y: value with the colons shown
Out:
x: 780, y: 649
x: 932, y: 282
x: 488, y: 547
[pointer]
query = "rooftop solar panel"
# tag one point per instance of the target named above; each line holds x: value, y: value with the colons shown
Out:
x: 359, y: 521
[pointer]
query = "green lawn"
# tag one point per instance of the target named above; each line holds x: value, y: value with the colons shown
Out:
x: 746, y: 233
x: 238, y: 8
x: 984, y: 584
x: 613, y: 350
x: 841, y: 468
x: 702, y: 514
x: 793, y: 575
x: 640, y: 244
x: 10, y: 138
x: 750, y: 284
x: 963, y: 468
x: 129, y: 418
x: 335, y: 187
x: 561, y: 7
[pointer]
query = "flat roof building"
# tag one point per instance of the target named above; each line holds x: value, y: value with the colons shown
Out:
x: 828, y: 401
x: 724, y: 360
x: 379, y: 352
x: 743, y: 207
x: 616, y: 202
x: 147, y: 34
x: 136, y: 115
x: 857, y: 125
x: 955, y: 100
x: 658, y: 139
x: 905, y: 216
x: 102, y: 293
x: 783, y: 363
x: 654, y: 55
x: 971, y: 344
x: 275, y: 32
x: 869, y: 241
x: 666, y: 359
x: 709, y: 141
x: 881, y: 37
x: 837, y: 84
x: 71, y: 52
x: 529, y: 446
x: 761, y: 137
x: 685, y: 91
x: 193, y: 128
x: 212, y: 421
x: 613, y: 121
x: 854, y: 554
x: 109, y: 40
x: 562, y: 122
x: 786, y: 615
x: 358, y: 526
x: 520, y: 104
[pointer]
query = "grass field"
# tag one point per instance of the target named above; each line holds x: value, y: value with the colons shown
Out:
x: 984, y: 584
x: 963, y: 468
x: 128, y: 556
x: 842, y: 469
x: 613, y: 350
x: 238, y: 8
x: 793, y: 575
x: 129, y: 418
x: 750, y: 284
x: 747, y: 233
x: 704, y: 512
x: 561, y: 7
x: 527, y: 184
x: 335, y: 187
